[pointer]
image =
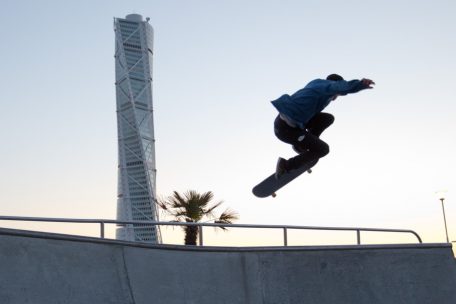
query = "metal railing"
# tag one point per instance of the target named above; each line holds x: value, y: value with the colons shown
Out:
x: 200, y: 226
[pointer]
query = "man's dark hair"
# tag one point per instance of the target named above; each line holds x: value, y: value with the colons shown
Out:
x: 334, y: 77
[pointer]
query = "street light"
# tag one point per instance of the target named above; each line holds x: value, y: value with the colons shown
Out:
x: 441, y: 197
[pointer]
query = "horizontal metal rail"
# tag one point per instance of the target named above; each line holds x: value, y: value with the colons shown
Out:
x: 285, y: 228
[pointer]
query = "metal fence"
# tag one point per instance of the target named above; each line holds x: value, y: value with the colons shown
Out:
x: 284, y: 228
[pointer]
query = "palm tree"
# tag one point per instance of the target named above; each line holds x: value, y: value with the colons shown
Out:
x: 193, y: 207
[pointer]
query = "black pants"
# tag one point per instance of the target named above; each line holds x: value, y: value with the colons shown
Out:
x: 306, y: 142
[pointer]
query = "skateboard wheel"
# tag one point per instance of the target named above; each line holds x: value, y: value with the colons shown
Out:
x: 274, y: 194
x: 309, y: 171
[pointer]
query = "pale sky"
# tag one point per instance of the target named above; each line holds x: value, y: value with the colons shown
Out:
x: 217, y: 66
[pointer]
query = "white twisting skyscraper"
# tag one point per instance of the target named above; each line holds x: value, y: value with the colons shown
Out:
x: 135, y: 129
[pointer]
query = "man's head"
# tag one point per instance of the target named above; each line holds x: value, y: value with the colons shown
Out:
x: 334, y: 77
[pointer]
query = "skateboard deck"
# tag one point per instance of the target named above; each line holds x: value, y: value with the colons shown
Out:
x: 270, y: 185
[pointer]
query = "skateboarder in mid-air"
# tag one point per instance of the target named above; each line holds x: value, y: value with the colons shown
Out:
x: 301, y: 121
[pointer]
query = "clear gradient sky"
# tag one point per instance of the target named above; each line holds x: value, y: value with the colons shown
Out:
x: 217, y: 65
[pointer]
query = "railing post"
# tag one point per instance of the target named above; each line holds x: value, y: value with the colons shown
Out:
x: 358, y: 236
x: 417, y: 236
x: 285, y: 236
x: 102, y: 230
x: 200, y: 235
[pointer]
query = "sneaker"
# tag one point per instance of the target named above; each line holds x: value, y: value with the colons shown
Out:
x: 281, y: 167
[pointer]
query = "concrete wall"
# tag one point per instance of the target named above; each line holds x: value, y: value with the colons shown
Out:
x: 47, y: 268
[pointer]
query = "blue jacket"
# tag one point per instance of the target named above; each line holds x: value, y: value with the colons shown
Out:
x: 313, y: 98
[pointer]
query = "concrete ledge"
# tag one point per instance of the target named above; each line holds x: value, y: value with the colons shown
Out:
x: 75, y: 238
x: 52, y: 268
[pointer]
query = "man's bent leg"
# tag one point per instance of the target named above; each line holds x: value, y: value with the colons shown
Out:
x: 316, y: 148
x: 286, y: 133
x: 319, y: 123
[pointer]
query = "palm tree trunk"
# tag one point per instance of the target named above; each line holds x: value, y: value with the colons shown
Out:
x: 191, y: 234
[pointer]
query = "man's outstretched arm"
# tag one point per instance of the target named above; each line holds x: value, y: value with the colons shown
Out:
x: 343, y: 87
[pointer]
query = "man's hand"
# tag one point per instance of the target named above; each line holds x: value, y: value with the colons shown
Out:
x: 367, y: 83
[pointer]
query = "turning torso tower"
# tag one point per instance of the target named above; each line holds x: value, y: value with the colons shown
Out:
x: 136, y: 199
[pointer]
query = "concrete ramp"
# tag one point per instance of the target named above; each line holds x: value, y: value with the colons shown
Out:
x: 49, y: 268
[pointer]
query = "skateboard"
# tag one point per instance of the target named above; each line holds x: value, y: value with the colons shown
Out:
x: 270, y: 185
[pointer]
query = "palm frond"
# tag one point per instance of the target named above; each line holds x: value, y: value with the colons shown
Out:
x: 210, y: 211
x: 227, y: 217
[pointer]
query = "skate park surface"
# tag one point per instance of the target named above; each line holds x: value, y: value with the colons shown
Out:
x: 48, y: 268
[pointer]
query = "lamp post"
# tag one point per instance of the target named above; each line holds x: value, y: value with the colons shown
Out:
x: 441, y: 197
